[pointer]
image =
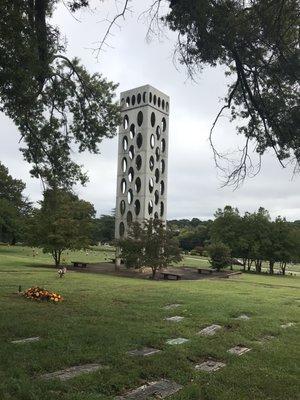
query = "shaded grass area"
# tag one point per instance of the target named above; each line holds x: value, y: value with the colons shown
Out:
x: 203, y: 262
x: 104, y: 316
x: 27, y: 256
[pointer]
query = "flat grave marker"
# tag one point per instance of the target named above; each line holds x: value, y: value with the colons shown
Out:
x: 239, y: 350
x: 210, y: 330
x: 156, y: 390
x: 177, y: 341
x: 243, y: 317
x: 287, y: 325
x: 177, y: 318
x: 27, y: 340
x: 210, y: 366
x: 146, y: 351
x: 171, y: 306
x: 72, y: 372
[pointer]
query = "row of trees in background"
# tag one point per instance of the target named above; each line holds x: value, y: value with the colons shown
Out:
x: 63, y: 221
x: 254, y: 238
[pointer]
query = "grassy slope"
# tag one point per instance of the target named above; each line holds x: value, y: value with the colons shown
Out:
x: 103, y: 317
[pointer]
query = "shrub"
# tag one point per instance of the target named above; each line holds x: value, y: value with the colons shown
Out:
x: 219, y: 255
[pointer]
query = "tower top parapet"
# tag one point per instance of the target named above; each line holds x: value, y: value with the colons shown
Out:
x: 145, y: 95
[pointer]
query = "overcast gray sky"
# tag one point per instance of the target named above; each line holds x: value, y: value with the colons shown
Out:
x: 194, y: 185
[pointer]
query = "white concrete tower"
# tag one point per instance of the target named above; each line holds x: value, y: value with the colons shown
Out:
x: 142, y: 157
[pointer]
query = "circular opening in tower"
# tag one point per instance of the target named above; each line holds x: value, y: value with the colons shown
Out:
x: 139, y: 140
x: 163, y: 124
x: 132, y: 131
x: 123, y: 186
x: 122, y: 207
x: 156, y: 197
x: 151, y: 163
x: 130, y: 174
x: 152, y: 141
x: 150, y: 207
x: 162, y: 187
x: 137, y: 185
x: 121, y: 229
x: 129, y: 196
x: 158, y: 132
x: 140, y: 118
x: 138, y: 162
x: 125, y: 143
x: 129, y: 218
x: 124, y: 164
x: 125, y: 121
x: 151, y: 185
x: 131, y: 152
x: 153, y: 118
x: 137, y: 207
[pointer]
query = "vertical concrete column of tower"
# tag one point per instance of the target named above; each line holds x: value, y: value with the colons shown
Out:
x: 142, y: 157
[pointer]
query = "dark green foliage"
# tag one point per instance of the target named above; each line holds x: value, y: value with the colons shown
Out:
x: 14, y: 207
x: 150, y: 245
x: 63, y: 222
x: 258, y: 43
x: 219, y: 255
x: 103, y: 229
x: 55, y: 103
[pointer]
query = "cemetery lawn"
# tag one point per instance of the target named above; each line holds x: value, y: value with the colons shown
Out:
x: 104, y: 316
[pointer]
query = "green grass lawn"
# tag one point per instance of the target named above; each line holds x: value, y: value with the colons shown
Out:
x: 103, y: 317
x: 203, y: 262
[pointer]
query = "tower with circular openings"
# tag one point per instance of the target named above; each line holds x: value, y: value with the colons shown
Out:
x: 142, y: 157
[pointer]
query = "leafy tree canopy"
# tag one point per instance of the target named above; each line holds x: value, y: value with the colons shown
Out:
x: 149, y: 245
x: 13, y: 206
x: 258, y: 42
x: 63, y: 222
x: 55, y: 103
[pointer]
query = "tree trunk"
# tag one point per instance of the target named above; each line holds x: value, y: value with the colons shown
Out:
x: 283, y: 267
x: 271, y: 265
x: 56, y: 255
x: 154, y: 269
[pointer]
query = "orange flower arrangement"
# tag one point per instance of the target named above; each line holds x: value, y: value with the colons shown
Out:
x: 41, y: 294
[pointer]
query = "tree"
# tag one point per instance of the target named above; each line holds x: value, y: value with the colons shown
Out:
x: 226, y: 228
x: 104, y: 229
x: 55, y: 103
x: 219, y: 255
x: 62, y: 222
x: 258, y: 43
x: 150, y: 245
x: 14, y: 207
x: 189, y: 238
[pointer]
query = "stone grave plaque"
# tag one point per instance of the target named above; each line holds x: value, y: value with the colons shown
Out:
x: 244, y: 317
x: 177, y: 341
x: 153, y: 390
x: 71, y: 372
x: 27, y: 340
x: 287, y: 325
x: 146, y: 351
x: 210, y: 330
x: 238, y: 350
x: 210, y: 366
x: 171, y: 306
x: 177, y: 318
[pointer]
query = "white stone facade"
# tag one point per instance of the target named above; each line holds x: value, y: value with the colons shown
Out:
x: 142, y: 157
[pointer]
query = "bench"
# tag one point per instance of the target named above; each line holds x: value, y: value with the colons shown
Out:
x: 79, y: 264
x: 205, y: 271
x: 166, y: 275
